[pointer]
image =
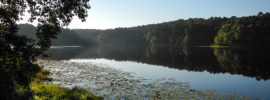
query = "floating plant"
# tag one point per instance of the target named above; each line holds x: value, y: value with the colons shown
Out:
x: 112, y: 83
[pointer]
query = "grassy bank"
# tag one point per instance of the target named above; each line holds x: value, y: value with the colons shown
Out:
x: 42, y: 91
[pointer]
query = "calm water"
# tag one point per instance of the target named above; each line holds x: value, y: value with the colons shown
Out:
x: 242, y: 70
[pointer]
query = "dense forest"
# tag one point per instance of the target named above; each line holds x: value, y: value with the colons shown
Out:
x: 67, y: 36
x: 249, y: 31
x: 244, y: 31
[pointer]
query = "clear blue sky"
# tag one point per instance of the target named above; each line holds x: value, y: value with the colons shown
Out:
x: 127, y: 13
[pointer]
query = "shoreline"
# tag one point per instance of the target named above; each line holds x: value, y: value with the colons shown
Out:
x: 99, y: 79
x: 112, y: 83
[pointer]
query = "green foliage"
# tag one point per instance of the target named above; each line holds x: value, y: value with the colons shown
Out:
x: 191, y: 32
x: 15, y: 74
x: 18, y: 52
x: 228, y: 34
x: 246, y: 31
x: 54, y: 92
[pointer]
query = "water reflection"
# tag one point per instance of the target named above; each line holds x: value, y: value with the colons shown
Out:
x: 250, y: 62
x: 204, y: 68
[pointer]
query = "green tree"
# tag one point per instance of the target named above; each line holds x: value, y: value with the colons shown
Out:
x: 18, y: 52
x: 228, y: 34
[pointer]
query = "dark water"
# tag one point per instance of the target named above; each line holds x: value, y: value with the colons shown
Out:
x: 242, y: 70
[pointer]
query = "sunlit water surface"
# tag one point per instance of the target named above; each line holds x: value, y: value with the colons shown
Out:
x: 199, y: 80
x: 221, y: 81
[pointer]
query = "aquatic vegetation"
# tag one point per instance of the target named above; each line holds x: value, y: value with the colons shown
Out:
x: 111, y: 83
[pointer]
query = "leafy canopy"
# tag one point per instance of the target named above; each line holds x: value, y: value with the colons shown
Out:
x: 17, y: 52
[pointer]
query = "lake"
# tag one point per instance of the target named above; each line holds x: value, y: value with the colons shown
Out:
x: 242, y: 70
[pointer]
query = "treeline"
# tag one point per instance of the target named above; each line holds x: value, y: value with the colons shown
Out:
x: 195, y: 31
x: 246, y: 31
x: 121, y: 36
x: 67, y: 37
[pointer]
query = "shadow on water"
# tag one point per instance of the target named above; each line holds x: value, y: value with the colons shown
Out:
x: 250, y: 62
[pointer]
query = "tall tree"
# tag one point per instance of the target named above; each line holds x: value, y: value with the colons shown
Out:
x: 17, y: 52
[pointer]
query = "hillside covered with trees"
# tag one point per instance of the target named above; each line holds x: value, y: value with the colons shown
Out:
x: 244, y: 31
